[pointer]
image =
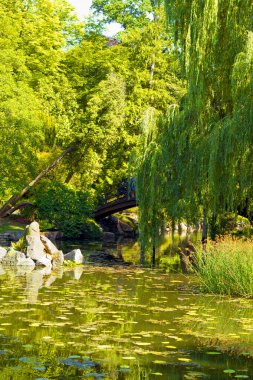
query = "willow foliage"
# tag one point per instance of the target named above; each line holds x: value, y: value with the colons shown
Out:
x: 207, y: 144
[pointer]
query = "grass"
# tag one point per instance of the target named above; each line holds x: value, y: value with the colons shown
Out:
x: 227, y: 268
x: 10, y: 228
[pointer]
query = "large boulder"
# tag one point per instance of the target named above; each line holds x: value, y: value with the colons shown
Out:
x: 124, y: 228
x: 75, y: 256
x: 27, y: 262
x: 35, y: 247
x: 109, y: 236
x: 13, y: 257
x: 3, y: 252
x: 45, y: 262
x: 49, y: 246
x: 57, y: 256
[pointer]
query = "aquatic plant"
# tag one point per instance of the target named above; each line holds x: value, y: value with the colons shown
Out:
x: 227, y: 268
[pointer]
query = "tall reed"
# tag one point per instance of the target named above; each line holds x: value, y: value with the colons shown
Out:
x: 227, y: 268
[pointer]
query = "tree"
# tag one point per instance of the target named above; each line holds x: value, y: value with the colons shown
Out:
x: 37, y: 102
x: 207, y: 143
x: 143, y: 58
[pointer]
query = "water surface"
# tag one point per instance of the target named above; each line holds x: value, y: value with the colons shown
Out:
x: 120, y: 323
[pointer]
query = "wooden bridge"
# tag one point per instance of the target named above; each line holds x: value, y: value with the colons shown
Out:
x: 117, y: 205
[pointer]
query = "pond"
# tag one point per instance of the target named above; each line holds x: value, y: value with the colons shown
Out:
x: 128, y: 250
x: 120, y: 323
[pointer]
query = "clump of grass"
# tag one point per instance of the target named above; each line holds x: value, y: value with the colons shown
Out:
x: 227, y: 268
x: 70, y: 264
x: 20, y: 245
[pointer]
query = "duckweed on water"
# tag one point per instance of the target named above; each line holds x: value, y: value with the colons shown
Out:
x: 120, y: 324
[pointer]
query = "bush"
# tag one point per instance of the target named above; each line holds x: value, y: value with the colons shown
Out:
x: 231, y: 223
x: 227, y: 268
x: 67, y: 210
x: 171, y: 263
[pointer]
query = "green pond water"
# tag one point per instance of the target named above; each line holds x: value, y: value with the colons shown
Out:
x: 120, y: 323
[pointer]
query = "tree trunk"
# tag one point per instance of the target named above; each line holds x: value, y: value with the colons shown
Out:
x: 153, y: 256
x: 6, y: 208
x: 20, y: 206
x: 152, y: 71
x: 204, y: 231
x: 213, y: 227
x: 69, y: 177
x: 142, y: 255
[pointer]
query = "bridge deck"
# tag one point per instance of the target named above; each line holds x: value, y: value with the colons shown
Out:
x: 114, y: 206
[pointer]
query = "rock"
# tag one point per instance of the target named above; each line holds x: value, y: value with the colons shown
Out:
x: 13, y: 236
x: 13, y: 257
x: 56, y: 256
x: 53, y: 235
x: 27, y: 262
x: 126, y: 228
x: 58, y: 259
x: 45, y: 262
x: 75, y: 256
x: 49, y: 257
x: 109, y: 236
x: 3, y: 252
x: 49, y: 246
x: 35, y: 248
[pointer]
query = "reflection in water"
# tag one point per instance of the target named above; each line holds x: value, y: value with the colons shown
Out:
x: 128, y: 250
x: 120, y: 324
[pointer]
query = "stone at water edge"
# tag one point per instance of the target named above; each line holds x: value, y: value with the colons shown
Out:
x: 26, y: 263
x: 58, y: 259
x: 13, y: 257
x: 44, y: 261
x: 57, y: 256
x: 49, y: 246
x: 76, y: 256
x: 35, y: 248
x: 3, y: 252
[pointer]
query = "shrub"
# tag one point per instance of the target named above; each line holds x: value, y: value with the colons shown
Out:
x: 67, y: 210
x: 171, y: 263
x: 227, y: 268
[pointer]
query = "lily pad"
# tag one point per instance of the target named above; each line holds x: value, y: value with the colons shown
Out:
x: 229, y: 371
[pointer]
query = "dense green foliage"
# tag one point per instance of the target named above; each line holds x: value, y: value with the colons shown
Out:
x: 64, y: 83
x: 197, y: 159
x: 68, y: 210
x: 175, y: 102
x: 37, y: 101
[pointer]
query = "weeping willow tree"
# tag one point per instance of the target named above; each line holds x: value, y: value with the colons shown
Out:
x: 206, y: 146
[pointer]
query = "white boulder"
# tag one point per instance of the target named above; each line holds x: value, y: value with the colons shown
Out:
x: 75, y: 256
